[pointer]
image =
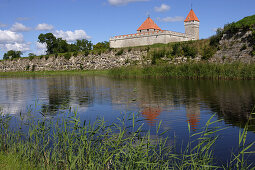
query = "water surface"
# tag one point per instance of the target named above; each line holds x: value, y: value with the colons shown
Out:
x: 174, y: 102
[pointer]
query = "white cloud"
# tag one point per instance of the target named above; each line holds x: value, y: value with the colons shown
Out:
x: 44, y: 27
x: 41, y: 48
x: 123, y: 2
x: 7, y: 36
x: 162, y: 8
x: 71, y: 36
x: 172, y: 19
x: 2, y: 25
x: 10, y: 40
x: 18, y: 27
x: 18, y: 46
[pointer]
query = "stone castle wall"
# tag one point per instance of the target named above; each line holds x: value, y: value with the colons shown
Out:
x: 148, y: 38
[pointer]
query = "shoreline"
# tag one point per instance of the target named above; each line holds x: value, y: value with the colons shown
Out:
x: 200, y: 70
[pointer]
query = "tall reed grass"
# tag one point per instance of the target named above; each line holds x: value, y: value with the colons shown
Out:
x: 71, y: 144
x: 189, y: 71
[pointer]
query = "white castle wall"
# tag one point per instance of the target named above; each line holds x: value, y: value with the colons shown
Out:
x: 148, y: 38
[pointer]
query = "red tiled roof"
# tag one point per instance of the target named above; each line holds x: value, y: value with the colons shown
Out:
x: 191, y: 16
x: 148, y: 24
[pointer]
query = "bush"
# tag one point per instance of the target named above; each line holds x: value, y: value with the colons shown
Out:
x: 190, y: 51
x: 208, y: 52
x: 75, y: 54
x: 67, y: 56
x: 244, y: 47
x: 120, y: 52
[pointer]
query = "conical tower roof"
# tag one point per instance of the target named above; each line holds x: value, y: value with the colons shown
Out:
x: 148, y: 24
x: 191, y: 16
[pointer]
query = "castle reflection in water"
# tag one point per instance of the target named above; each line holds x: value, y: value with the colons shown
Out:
x: 152, y: 98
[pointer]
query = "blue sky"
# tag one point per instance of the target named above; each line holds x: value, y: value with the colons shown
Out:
x: 21, y: 21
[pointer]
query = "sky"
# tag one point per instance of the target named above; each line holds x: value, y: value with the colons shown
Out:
x: 22, y: 21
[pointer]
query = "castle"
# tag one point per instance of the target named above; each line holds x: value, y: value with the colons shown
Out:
x: 149, y: 33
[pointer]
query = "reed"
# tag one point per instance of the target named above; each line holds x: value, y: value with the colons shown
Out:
x: 189, y: 71
x: 71, y: 144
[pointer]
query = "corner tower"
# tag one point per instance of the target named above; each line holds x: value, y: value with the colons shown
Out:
x: 191, y: 24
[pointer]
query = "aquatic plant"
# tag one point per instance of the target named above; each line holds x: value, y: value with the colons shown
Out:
x: 71, y: 144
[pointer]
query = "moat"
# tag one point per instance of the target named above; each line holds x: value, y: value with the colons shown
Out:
x: 175, y: 102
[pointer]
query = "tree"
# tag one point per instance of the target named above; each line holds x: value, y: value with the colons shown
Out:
x: 12, y: 54
x: 50, y: 40
x: 102, y: 46
x: 83, y: 45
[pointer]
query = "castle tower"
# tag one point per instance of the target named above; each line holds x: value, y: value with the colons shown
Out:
x: 148, y: 25
x: 191, y: 24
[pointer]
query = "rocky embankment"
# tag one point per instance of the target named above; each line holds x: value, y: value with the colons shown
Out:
x: 235, y: 48
x: 80, y: 62
x: 230, y: 49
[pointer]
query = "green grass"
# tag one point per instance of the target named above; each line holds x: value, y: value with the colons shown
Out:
x: 202, y: 70
x: 189, y: 71
x: 10, y: 161
x: 71, y: 144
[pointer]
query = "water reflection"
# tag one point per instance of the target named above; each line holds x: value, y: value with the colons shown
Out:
x: 155, y: 99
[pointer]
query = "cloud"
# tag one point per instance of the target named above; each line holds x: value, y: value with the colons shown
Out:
x: 72, y: 36
x: 2, y: 25
x: 162, y: 8
x: 18, y: 47
x: 10, y: 40
x: 44, y: 27
x: 7, y: 36
x: 22, y: 18
x: 123, y: 2
x: 18, y: 27
x: 172, y: 19
x: 41, y: 48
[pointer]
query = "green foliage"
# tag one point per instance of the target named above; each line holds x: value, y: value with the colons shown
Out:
x: 12, y: 54
x: 83, y: 45
x: 120, y: 52
x: 105, y: 45
x: 67, y: 56
x: 201, y: 70
x: 31, y: 56
x: 208, y: 52
x: 177, y: 51
x: 58, y: 45
x: 71, y: 144
x: 189, y: 51
x: 244, y: 47
x: 231, y: 29
x: 33, y: 67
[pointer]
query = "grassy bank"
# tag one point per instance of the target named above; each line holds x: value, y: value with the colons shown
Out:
x: 190, y: 71
x: 71, y: 144
x: 201, y: 70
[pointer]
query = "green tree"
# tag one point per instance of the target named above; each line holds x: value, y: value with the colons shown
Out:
x: 50, y: 40
x: 12, y: 54
x: 83, y: 45
x: 102, y: 46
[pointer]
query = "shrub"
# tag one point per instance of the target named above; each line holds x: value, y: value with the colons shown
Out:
x: 120, y: 52
x: 46, y: 57
x: 27, y: 67
x: 33, y: 67
x: 208, y: 52
x: 75, y: 54
x: 86, y: 53
x: 67, y: 56
x: 244, y: 47
x: 189, y: 51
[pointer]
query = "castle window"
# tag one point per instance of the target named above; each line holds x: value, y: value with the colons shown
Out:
x: 140, y: 30
x: 147, y: 29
